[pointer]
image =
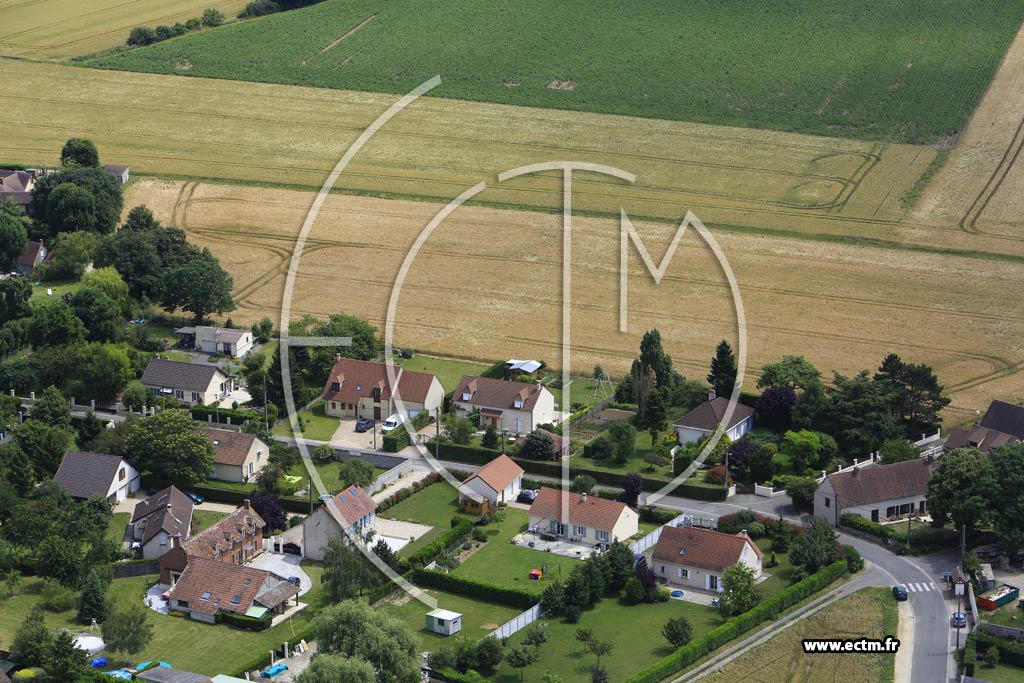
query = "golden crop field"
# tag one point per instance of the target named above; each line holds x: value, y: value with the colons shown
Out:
x: 486, y: 285
x: 61, y: 29
x: 782, y: 660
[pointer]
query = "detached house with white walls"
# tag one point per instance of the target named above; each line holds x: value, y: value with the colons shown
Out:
x: 161, y: 518
x: 349, y: 512
x: 697, y: 558
x: 497, y: 482
x: 878, y: 493
x: 189, y: 383
x: 591, y: 520
x: 359, y: 388
x: 84, y: 475
x: 514, y: 407
x: 705, y: 418
x: 237, y: 456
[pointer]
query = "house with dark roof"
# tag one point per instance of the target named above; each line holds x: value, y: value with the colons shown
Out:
x: 235, y: 539
x: 237, y: 456
x: 349, y: 512
x: 509, y: 406
x: 878, y: 492
x: 1003, y: 424
x: 584, y: 519
x: 499, y: 481
x: 34, y: 255
x: 16, y: 186
x: 161, y: 520
x: 691, y: 557
x: 359, y: 388
x: 705, y: 418
x: 226, y: 341
x: 84, y: 475
x: 208, y: 587
x: 163, y: 674
x: 189, y: 383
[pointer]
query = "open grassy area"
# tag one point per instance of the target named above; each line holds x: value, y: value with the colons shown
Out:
x: 635, y: 630
x: 434, y: 505
x: 315, y: 423
x: 116, y: 527
x: 330, y: 473
x: 60, y: 29
x: 57, y: 289
x: 204, y: 519
x: 868, y: 613
x: 1007, y: 615
x: 447, y: 370
x: 1000, y: 673
x: 478, y: 618
x: 704, y: 61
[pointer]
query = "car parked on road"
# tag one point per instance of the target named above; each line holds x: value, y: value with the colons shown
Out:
x: 959, y: 620
x: 900, y: 592
x: 364, y: 424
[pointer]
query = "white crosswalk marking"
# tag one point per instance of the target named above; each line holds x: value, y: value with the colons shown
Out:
x: 934, y: 587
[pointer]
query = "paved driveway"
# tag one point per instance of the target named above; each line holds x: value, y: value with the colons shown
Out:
x: 285, y: 566
x: 398, y: 534
x: 346, y: 436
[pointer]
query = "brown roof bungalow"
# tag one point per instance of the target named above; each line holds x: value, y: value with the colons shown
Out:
x: 591, y: 520
x: 698, y: 558
x: 878, y: 492
x: 705, y: 418
x: 207, y: 587
x: 359, y: 388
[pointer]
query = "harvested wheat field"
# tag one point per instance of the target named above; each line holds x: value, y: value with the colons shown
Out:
x: 741, y: 180
x: 60, y: 29
x: 486, y: 271
x: 861, y: 615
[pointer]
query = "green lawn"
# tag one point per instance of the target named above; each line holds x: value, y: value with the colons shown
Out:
x: 907, y: 71
x: 1007, y: 615
x: 434, y: 505
x: 635, y: 630
x: 447, y: 370
x: 501, y: 563
x: 59, y: 288
x: 315, y: 424
x: 179, y: 356
x: 156, y: 331
x: 204, y: 519
x: 478, y: 618
x: 581, y: 390
x: 780, y: 576
x: 116, y: 527
x: 330, y: 473
x: 1000, y: 673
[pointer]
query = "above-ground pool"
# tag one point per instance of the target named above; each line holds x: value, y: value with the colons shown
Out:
x: 676, y: 594
x: 88, y: 642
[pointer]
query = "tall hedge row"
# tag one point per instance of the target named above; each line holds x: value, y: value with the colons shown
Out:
x: 738, y: 625
x: 448, y: 540
x: 449, y: 583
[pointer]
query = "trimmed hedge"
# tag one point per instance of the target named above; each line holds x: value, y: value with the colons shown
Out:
x: 212, y: 492
x: 460, y: 453
x: 231, y: 416
x: 396, y: 439
x: 509, y: 597
x: 452, y: 676
x: 248, y: 623
x: 922, y: 539
x: 1010, y: 651
x: 448, y: 540
x: 970, y: 654
x: 738, y: 625
x: 656, y: 515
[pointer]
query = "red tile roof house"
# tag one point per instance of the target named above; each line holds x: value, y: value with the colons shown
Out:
x: 84, y: 475
x: 351, y: 511
x: 358, y: 388
x: 691, y: 557
x: 236, y: 539
x: 705, y: 418
x: 237, y: 456
x: 499, y: 481
x: 161, y: 519
x: 878, y: 493
x: 35, y: 253
x: 513, y: 407
x: 591, y: 520
x: 208, y: 587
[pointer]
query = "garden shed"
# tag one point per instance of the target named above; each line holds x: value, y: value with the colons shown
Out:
x: 444, y: 622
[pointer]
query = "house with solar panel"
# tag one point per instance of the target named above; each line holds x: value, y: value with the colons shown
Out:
x: 349, y: 512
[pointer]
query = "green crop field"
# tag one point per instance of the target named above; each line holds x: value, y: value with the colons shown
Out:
x: 898, y: 71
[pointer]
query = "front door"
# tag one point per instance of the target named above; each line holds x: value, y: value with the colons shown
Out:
x: 712, y: 582
x: 376, y: 413
x: 874, y: 516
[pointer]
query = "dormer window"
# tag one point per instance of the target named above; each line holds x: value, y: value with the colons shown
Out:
x: 518, y: 403
x: 216, y: 442
x: 466, y: 396
x: 376, y: 394
x: 335, y: 386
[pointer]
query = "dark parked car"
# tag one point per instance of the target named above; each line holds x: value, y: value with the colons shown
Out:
x: 195, y: 497
x: 959, y: 620
x: 364, y: 424
x: 899, y: 592
x: 526, y: 496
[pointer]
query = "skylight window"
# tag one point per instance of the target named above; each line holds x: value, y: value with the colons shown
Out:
x: 237, y: 600
x: 206, y: 595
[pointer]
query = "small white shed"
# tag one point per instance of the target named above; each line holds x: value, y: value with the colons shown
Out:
x: 444, y: 622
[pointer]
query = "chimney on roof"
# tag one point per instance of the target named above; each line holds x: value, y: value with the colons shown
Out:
x: 538, y: 384
x: 584, y: 498
x: 855, y: 471
x: 246, y: 504
x: 712, y: 394
x: 175, y: 540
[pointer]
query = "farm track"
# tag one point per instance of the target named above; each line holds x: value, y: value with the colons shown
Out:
x: 969, y: 222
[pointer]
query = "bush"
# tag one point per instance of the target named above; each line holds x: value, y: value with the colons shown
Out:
x: 56, y: 597
x: 756, y: 530
x: 735, y: 523
x: 469, y: 588
x: 259, y: 8
x: 452, y: 538
x: 854, y: 562
x: 634, y: 591
x: 656, y: 515
x: 212, y: 17
x: 396, y: 439
x: 229, y: 416
x: 599, y: 448
x: 716, y: 475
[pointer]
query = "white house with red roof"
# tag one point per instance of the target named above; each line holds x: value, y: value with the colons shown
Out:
x: 697, y: 558
x: 351, y: 511
x: 359, y: 388
x: 514, y: 407
x: 705, y: 418
x: 499, y: 481
x: 585, y: 519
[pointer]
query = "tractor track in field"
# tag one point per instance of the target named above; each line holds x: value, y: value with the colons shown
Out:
x: 970, y: 219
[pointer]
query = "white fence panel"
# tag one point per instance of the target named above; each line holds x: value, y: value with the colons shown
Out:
x: 518, y: 623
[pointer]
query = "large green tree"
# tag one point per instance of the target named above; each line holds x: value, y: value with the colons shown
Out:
x: 100, y: 314
x: 44, y: 445
x: 105, y: 190
x: 65, y: 661
x: 69, y: 208
x: 353, y: 629
x: 110, y: 282
x: 127, y: 630
x: 722, y: 376
x: 33, y: 640
x: 199, y: 286
x: 54, y: 324
x: 52, y: 408
x: 170, y: 446
x: 739, y: 590
x: 99, y: 371
x: 142, y: 250
x: 815, y: 548
x: 337, y: 669
x: 1007, y: 497
x: 15, y: 293
x: 79, y: 153
x: 917, y: 395
x: 13, y: 238
x: 961, y: 489
x: 622, y: 436
x: 794, y: 372
x: 347, y: 572
x: 859, y: 414
x: 72, y: 253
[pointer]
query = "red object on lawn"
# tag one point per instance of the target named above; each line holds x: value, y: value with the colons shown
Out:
x: 535, y: 574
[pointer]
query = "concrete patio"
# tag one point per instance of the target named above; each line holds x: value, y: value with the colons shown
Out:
x: 558, y: 547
